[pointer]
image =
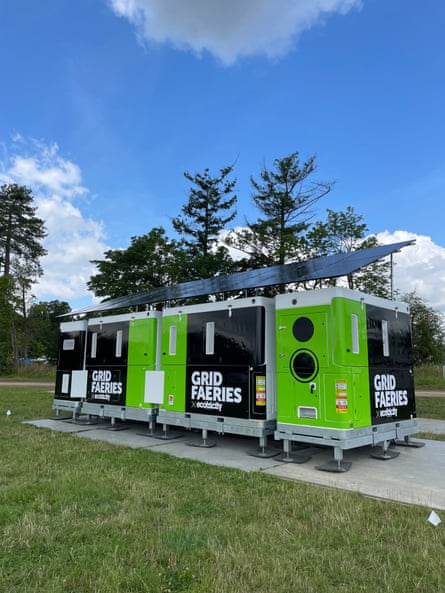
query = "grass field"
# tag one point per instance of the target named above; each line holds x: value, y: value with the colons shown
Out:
x: 431, y: 407
x: 80, y: 516
x: 429, y: 377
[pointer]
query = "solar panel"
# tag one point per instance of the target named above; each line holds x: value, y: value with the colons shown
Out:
x: 330, y: 266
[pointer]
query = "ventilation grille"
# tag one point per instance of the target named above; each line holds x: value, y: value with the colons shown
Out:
x: 308, y: 413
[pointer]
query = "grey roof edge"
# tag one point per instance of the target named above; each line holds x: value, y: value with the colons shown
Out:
x: 330, y: 266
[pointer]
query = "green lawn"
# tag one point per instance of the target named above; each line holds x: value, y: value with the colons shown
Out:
x: 431, y: 407
x: 80, y: 516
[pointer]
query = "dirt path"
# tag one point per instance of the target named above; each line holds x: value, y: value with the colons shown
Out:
x: 422, y: 393
x: 26, y: 384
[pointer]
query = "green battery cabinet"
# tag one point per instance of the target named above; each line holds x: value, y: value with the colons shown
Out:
x: 122, y: 366
x: 218, y: 361
x: 344, y: 371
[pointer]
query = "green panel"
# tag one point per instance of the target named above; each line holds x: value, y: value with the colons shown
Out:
x: 174, y: 391
x: 347, y: 350
x: 142, y: 342
x: 173, y: 361
x: 322, y: 372
x: 136, y: 386
x: 287, y: 344
x: 292, y: 393
x: 174, y: 351
x: 141, y: 357
x: 346, y: 399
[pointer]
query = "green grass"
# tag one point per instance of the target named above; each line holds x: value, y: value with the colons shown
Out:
x: 81, y: 516
x: 430, y: 407
x: 32, y: 372
x: 429, y: 377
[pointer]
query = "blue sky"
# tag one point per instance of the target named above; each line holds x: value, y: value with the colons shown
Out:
x: 105, y: 104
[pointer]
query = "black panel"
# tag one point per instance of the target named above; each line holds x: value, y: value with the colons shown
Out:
x: 331, y: 266
x: 391, y: 378
x: 392, y: 395
x: 107, y: 385
x: 220, y: 392
x: 106, y: 345
x: 239, y: 337
x: 399, y: 338
x: 71, y: 359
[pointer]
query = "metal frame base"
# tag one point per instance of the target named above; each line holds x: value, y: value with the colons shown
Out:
x: 380, y: 435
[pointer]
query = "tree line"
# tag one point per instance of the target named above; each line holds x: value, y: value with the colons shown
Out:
x: 282, y: 229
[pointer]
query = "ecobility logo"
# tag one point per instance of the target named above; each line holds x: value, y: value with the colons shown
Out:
x: 105, y: 384
x: 209, y: 391
x: 388, y: 397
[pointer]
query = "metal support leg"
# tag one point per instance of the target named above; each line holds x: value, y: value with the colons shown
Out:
x: 117, y: 426
x: 408, y: 442
x: 337, y: 465
x: 288, y: 456
x: 204, y: 442
x: 165, y: 435
x: 383, y: 452
x: 263, y: 450
x: 84, y: 420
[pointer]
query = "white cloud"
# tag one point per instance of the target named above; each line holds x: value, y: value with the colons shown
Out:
x: 419, y: 267
x: 228, y: 29
x: 46, y: 169
x: 72, y: 240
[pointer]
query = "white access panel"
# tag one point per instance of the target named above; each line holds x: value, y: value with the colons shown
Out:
x: 154, y: 387
x: 65, y: 383
x: 79, y: 383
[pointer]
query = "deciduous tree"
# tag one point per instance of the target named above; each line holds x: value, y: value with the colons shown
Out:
x: 151, y: 261
x: 428, y: 331
x: 343, y: 232
x: 44, y: 321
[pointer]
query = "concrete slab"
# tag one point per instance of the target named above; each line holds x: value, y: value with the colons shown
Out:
x: 429, y: 425
x: 61, y: 425
x: 229, y: 451
x: 416, y: 476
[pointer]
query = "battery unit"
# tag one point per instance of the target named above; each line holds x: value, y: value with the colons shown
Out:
x: 70, y: 386
x: 344, y: 370
x: 121, y: 363
x: 219, y: 367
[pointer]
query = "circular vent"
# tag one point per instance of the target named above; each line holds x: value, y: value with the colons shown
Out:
x: 303, y: 329
x: 304, y: 365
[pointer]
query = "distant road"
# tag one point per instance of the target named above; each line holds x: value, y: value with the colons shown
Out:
x: 422, y: 393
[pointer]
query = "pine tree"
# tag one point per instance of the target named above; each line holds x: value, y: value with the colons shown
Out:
x: 20, y: 229
x: 202, y: 219
x: 286, y: 197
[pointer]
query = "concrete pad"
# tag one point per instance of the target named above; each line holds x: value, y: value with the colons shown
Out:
x: 429, y: 425
x: 127, y: 438
x: 229, y: 451
x: 61, y: 425
x: 416, y: 476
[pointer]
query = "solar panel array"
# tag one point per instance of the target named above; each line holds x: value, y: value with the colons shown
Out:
x: 330, y: 266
